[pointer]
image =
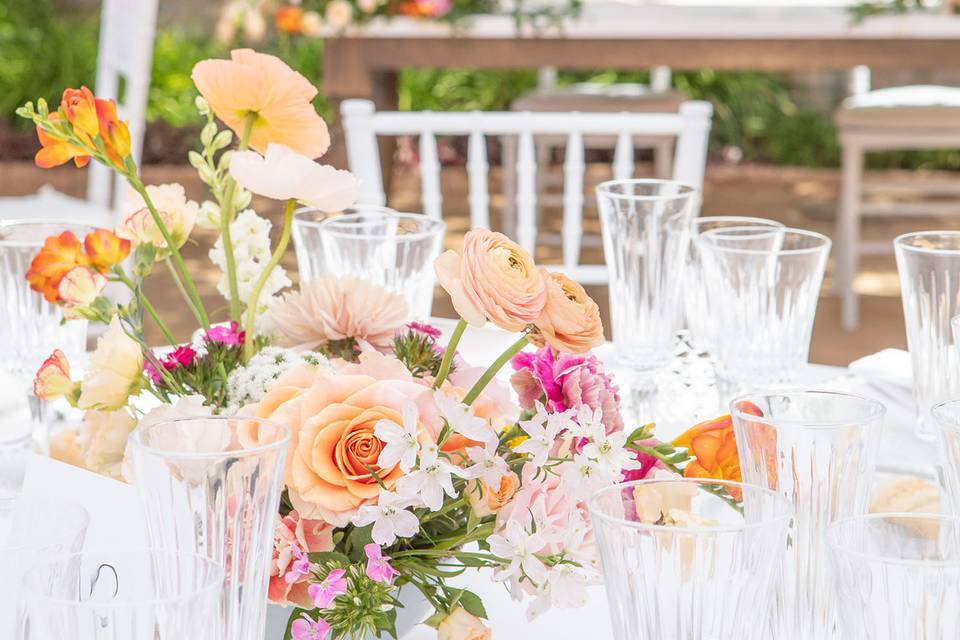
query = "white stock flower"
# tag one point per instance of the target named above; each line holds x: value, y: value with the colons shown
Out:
x: 433, y: 479
x: 401, y: 441
x: 461, y: 420
x: 542, y: 432
x: 518, y: 548
x: 488, y: 466
x: 609, y: 451
x: 284, y: 174
x: 390, y: 517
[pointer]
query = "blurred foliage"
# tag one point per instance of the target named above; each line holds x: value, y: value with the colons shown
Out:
x: 863, y: 10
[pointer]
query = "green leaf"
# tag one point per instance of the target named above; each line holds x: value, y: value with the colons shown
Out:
x: 435, y: 620
x: 473, y: 604
x: 329, y: 557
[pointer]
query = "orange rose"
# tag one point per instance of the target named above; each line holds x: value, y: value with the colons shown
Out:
x: 54, y: 153
x: 105, y: 249
x: 59, y: 255
x: 80, y: 108
x: 333, y: 448
x: 570, y: 321
x: 485, y: 501
x: 714, y: 446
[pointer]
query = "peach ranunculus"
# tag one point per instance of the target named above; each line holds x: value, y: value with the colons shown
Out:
x: 462, y: 625
x: 333, y: 448
x: 570, y: 321
x: 78, y: 289
x: 177, y: 213
x: 495, y: 279
x: 264, y: 88
x: 309, y: 536
x: 115, y: 370
x: 331, y: 308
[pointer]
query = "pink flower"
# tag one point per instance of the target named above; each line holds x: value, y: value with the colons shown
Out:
x: 305, y: 628
x: 378, y: 567
x: 323, y: 594
x: 647, y: 463
x: 226, y: 334
x: 331, y: 308
x: 299, y: 568
x: 294, y: 532
x: 567, y: 381
x: 182, y: 356
x: 426, y: 329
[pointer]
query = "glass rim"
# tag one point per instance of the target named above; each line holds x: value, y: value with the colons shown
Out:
x: 938, y: 412
x: 300, y: 213
x: 879, y: 409
x: 436, y: 227
x: 785, y: 506
x: 832, y: 532
x: 824, y: 247
x: 901, y: 241
x: 136, y: 439
x: 26, y: 222
x: 49, y: 503
x: 686, y: 191
x: 773, y: 224
x: 212, y: 583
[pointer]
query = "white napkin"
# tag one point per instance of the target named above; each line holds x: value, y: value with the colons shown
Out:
x: 890, y: 373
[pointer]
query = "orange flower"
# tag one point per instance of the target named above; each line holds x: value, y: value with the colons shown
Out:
x: 263, y: 85
x: 53, y: 377
x: 58, y: 256
x: 714, y: 446
x: 54, y: 153
x: 761, y: 440
x: 105, y: 249
x: 80, y: 108
x: 289, y: 20
x: 114, y: 132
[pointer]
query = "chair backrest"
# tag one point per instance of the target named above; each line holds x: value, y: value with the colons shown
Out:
x: 362, y: 125
x: 127, y: 30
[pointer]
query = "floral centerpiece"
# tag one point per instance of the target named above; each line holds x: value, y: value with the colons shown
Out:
x: 407, y: 465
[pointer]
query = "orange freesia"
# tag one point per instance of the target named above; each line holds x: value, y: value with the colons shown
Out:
x: 105, y: 249
x: 80, y: 108
x: 54, y: 153
x: 289, y: 20
x: 58, y: 256
x: 761, y: 441
x: 114, y: 132
x: 263, y: 87
x: 53, y: 378
x: 714, y: 446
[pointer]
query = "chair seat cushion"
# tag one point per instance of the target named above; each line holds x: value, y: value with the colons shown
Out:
x: 591, y: 96
x: 915, y: 106
x: 51, y: 204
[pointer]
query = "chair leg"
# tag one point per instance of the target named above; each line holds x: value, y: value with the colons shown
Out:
x: 663, y: 159
x: 508, y: 163
x: 848, y: 235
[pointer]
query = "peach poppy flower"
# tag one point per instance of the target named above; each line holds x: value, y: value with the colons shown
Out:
x: 252, y: 82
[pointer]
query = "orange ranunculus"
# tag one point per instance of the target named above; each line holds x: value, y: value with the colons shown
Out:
x: 80, y: 108
x: 278, y: 97
x: 58, y: 256
x: 105, y: 249
x: 54, y: 153
x: 114, y: 132
x: 714, y: 446
x: 289, y: 20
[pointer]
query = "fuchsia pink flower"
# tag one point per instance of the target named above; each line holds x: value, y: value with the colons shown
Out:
x: 426, y: 329
x: 378, y: 567
x: 306, y: 628
x: 323, y: 594
x: 300, y: 566
x: 226, y: 334
x: 647, y: 463
x: 182, y: 356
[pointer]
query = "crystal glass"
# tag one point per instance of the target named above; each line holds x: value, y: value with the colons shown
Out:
x: 30, y: 327
x: 307, y: 238
x: 819, y: 450
x: 929, y: 266
x: 747, y: 232
x: 29, y: 530
x: 134, y: 595
x: 946, y: 415
x: 211, y: 486
x: 711, y: 573
x: 897, y: 576
x: 763, y: 301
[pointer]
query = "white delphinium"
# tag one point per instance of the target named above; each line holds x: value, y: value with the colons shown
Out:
x: 248, y: 384
x: 390, y: 517
x: 402, y: 444
x: 431, y: 480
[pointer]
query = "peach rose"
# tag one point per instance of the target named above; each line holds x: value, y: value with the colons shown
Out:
x: 333, y: 448
x: 486, y: 501
x: 310, y: 536
x: 493, y: 279
x: 570, y: 321
x: 462, y: 625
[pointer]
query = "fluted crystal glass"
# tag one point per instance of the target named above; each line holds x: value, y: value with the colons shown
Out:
x: 743, y: 231
x: 897, y: 576
x: 818, y: 449
x: 929, y: 266
x: 763, y: 301
x: 712, y: 572
x: 391, y: 249
x: 30, y: 327
x: 946, y: 416
x: 132, y: 595
x: 307, y: 239
x: 211, y: 486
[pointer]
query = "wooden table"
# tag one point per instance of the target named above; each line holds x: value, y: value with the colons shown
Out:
x: 678, y: 33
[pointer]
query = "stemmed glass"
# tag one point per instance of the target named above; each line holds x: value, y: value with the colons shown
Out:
x: 307, y: 239
x: 646, y: 265
x: 929, y: 266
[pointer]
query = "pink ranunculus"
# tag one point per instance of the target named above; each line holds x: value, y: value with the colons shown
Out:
x: 567, y: 381
x: 295, y: 533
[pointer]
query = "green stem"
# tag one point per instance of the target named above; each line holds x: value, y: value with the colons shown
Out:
x: 193, y: 297
x: 716, y: 490
x: 183, y: 290
x: 146, y: 305
x: 226, y: 218
x: 258, y: 287
x: 488, y: 375
x: 448, y: 353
